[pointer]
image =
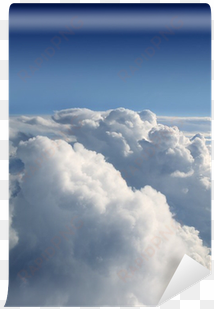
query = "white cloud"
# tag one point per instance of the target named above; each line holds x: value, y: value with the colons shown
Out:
x: 189, y: 125
x: 149, y: 153
x: 127, y: 223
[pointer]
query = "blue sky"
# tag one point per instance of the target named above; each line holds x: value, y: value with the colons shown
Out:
x: 51, y: 70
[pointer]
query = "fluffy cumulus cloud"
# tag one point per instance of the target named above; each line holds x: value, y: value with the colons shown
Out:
x: 103, y: 207
x: 190, y: 126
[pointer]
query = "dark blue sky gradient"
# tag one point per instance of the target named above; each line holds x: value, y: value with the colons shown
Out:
x: 94, y: 66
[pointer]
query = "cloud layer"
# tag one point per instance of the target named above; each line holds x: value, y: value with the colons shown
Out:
x: 149, y: 153
x: 124, y: 181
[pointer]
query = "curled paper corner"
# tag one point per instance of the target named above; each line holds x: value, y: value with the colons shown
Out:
x: 188, y: 273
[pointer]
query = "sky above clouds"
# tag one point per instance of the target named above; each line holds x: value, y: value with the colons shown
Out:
x: 109, y: 151
x: 79, y: 56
